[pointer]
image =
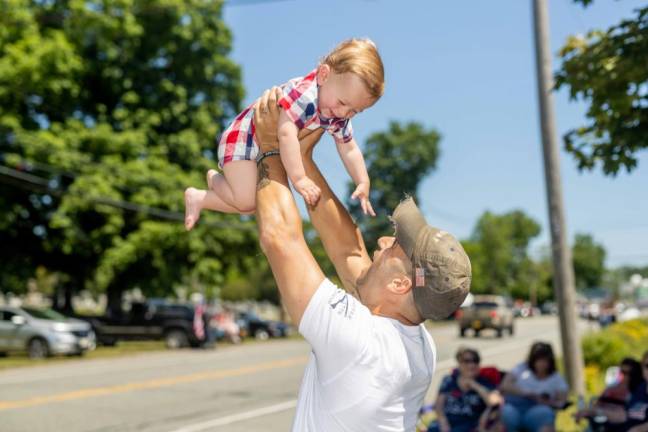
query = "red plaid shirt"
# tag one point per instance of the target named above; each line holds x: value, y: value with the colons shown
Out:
x: 300, y: 101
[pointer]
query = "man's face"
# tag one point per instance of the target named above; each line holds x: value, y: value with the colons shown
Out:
x: 389, y: 259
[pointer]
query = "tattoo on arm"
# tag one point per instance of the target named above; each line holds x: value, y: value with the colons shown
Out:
x: 263, y: 178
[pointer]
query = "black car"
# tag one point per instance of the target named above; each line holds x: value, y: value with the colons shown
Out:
x: 259, y: 328
x: 176, y: 324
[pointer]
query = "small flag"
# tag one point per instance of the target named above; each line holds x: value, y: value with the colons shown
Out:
x: 420, y: 277
x: 198, y: 323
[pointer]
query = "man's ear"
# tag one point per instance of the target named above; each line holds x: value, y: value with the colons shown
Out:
x: 400, y: 284
x: 323, y: 73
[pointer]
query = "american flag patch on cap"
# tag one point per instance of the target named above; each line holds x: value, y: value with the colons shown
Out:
x: 420, y: 277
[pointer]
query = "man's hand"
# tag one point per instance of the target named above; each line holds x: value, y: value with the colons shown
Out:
x: 266, y: 118
x: 361, y: 192
x: 309, y: 190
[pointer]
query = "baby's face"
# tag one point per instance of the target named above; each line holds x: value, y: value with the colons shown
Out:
x: 341, y: 95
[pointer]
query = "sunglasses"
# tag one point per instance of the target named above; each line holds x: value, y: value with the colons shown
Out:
x: 470, y: 360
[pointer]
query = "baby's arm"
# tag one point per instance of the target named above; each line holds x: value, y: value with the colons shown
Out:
x: 291, y: 159
x: 353, y: 161
x: 355, y: 166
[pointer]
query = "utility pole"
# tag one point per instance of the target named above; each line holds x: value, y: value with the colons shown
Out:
x: 563, y: 271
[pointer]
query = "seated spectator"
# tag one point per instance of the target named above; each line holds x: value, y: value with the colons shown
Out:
x: 631, y: 377
x: 533, y: 390
x: 607, y: 411
x: 637, y: 406
x: 465, y: 397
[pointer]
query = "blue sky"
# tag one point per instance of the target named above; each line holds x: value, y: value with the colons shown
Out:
x: 467, y: 69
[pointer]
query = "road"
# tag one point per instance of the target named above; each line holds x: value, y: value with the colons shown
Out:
x: 237, y: 388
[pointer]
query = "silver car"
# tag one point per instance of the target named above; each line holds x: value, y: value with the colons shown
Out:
x: 43, y: 332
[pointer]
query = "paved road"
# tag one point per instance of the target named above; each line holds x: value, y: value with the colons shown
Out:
x: 239, y: 388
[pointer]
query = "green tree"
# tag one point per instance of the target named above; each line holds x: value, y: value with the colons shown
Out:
x: 589, y: 262
x: 609, y: 70
x: 498, y: 250
x: 108, y: 109
x: 397, y: 161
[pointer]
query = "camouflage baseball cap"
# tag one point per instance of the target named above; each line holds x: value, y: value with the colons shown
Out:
x: 441, y: 270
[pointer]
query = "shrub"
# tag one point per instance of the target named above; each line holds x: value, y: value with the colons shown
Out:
x: 609, y: 346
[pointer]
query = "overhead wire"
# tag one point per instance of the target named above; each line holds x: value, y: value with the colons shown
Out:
x: 42, y: 184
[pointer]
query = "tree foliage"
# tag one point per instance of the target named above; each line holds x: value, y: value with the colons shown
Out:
x: 609, y: 70
x: 398, y: 160
x: 589, y: 262
x: 108, y: 109
x: 498, y: 250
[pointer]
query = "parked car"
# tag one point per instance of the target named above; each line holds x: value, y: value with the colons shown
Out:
x: 43, y: 332
x: 486, y: 312
x: 549, y: 308
x: 176, y: 324
x: 259, y: 328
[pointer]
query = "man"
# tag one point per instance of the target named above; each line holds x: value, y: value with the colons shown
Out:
x: 372, y: 359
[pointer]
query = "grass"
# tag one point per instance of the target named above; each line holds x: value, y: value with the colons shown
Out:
x: 121, y: 349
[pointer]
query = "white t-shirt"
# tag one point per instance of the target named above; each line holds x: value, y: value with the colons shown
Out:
x: 526, y: 380
x: 365, y: 372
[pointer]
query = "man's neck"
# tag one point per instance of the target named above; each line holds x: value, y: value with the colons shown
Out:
x: 378, y: 310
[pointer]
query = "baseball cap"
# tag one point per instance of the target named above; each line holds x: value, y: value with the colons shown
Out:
x: 441, y: 271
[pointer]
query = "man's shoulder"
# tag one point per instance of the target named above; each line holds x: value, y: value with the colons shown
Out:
x: 341, y: 302
x: 336, y: 310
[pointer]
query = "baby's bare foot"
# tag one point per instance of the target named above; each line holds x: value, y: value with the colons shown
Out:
x: 192, y: 198
x: 210, y: 178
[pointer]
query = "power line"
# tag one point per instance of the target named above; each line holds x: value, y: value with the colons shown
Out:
x: 40, y: 183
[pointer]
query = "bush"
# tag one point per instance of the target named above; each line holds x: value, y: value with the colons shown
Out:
x: 608, y: 347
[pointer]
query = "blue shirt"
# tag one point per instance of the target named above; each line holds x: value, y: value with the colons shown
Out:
x: 463, y: 408
x: 637, y: 407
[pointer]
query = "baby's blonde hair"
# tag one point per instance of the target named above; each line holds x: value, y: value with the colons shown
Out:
x: 359, y: 57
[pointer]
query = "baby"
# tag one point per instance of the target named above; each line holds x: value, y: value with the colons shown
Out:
x: 348, y: 80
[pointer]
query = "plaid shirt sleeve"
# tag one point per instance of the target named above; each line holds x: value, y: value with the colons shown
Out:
x: 343, y: 131
x: 300, y: 100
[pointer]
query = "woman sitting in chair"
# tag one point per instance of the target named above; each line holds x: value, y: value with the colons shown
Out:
x: 466, y: 399
x: 534, y: 390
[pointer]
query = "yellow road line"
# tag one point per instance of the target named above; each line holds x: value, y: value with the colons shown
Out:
x: 151, y: 384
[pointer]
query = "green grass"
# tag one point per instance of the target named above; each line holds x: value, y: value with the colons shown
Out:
x: 121, y: 349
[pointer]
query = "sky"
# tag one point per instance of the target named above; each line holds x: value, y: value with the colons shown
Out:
x: 466, y: 69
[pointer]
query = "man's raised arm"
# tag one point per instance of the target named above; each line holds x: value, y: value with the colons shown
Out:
x: 340, y: 236
x: 280, y: 228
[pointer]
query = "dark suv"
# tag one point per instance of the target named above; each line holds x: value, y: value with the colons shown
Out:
x: 259, y: 328
x: 176, y: 324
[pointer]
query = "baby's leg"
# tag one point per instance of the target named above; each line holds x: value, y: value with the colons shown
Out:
x: 238, y: 184
x: 198, y: 199
x: 221, y: 196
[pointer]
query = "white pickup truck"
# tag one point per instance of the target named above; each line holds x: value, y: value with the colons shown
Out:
x: 486, y: 312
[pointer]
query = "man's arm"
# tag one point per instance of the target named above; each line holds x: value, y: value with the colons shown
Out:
x: 340, y: 236
x: 280, y: 229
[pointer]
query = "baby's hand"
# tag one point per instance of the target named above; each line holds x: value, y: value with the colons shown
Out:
x: 362, y: 192
x: 308, y: 189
